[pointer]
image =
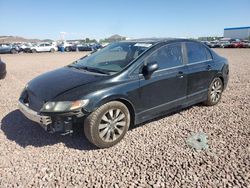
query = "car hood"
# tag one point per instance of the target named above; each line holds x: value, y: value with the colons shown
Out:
x: 50, y: 85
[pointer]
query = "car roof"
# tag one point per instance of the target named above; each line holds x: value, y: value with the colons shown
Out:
x: 158, y: 40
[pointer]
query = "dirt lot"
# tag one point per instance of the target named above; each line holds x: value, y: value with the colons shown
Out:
x: 154, y: 154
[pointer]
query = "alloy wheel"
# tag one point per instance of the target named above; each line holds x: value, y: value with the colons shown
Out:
x: 112, y: 125
x: 216, y: 91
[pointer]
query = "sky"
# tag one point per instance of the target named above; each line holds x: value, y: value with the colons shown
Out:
x: 98, y: 19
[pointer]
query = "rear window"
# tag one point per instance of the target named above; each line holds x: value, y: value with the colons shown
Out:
x: 197, y: 52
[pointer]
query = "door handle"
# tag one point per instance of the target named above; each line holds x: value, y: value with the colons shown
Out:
x: 209, y: 67
x: 180, y: 74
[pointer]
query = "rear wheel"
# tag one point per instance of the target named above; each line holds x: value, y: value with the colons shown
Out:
x: 107, y: 125
x: 214, y: 92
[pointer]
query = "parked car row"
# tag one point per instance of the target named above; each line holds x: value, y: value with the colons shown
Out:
x: 233, y: 43
x: 72, y: 47
x: 68, y: 47
x: 17, y: 48
x: 46, y: 47
x: 43, y: 47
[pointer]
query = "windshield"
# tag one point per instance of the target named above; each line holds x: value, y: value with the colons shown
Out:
x: 113, y: 58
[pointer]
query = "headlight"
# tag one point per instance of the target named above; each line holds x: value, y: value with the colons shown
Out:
x: 64, y: 106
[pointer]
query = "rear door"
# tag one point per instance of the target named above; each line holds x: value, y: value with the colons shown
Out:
x: 200, y: 66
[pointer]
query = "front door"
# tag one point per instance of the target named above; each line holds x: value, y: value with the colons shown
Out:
x: 47, y: 47
x: 167, y: 87
x: 41, y: 48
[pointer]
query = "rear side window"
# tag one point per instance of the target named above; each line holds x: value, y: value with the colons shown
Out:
x: 209, y: 56
x: 167, y: 56
x: 196, y: 52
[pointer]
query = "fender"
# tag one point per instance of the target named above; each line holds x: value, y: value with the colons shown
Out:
x: 107, y: 98
x: 223, y: 74
x: 122, y: 98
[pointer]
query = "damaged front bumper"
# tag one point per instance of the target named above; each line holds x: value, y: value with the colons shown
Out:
x: 62, y: 123
x: 34, y: 116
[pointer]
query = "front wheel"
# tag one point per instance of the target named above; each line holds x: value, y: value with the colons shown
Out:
x: 33, y: 51
x: 107, y: 125
x: 52, y: 50
x: 67, y: 49
x: 13, y: 51
x: 214, y: 92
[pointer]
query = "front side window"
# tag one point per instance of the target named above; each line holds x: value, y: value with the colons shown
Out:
x: 197, y: 53
x: 113, y: 58
x: 167, y: 56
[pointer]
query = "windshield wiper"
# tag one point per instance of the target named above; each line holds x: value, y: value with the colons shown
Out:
x: 90, y: 69
x: 93, y: 69
x: 72, y: 66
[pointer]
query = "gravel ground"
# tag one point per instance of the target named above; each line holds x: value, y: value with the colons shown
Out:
x: 154, y: 154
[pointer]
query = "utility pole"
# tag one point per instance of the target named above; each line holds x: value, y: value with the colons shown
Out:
x: 62, y: 35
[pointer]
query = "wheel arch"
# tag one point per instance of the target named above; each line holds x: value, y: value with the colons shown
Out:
x: 131, y: 109
x: 220, y: 76
x: 121, y: 99
x: 222, y: 79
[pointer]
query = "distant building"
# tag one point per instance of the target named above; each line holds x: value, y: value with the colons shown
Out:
x: 237, y: 32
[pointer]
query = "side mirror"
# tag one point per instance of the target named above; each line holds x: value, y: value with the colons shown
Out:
x: 149, y: 69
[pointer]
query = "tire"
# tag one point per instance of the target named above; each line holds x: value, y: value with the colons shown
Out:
x: 13, y: 51
x: 52, y: 50
x: 214, y: 92
x: 67, y: 49
x: 33, y: 51
x: 107, y: 125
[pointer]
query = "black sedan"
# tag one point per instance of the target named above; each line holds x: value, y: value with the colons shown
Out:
x: 2, y: 69
x: 85, y: 47
x: 123, y: 84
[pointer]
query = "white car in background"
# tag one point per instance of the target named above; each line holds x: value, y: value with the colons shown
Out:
x: 44, y: 47
x: 67, y: 46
